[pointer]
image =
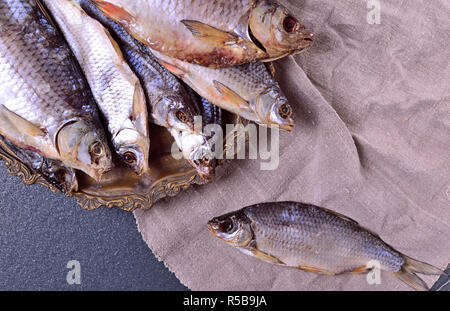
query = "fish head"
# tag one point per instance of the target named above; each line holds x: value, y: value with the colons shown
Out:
x: 203, y: 160
x: 65, y: 177
x: 277, y: 31
x: 233, y: 228
x: 133, y: 149
x: 273, y: 108
x: 198, y: 151
x: 173, y: 112
x: 131, y: 139
x: 82, y: 146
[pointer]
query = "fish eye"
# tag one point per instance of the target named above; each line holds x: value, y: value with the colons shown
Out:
x: 226, y: 225
x: 182, y: 116
x: 129, y: 157
x: 290, y: 24
x: 204, y: 160
x: 285, y: 111
x: 97, y: 149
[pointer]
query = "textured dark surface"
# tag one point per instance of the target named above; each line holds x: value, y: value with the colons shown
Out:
x: 41, y: 232
x: 443, y: 284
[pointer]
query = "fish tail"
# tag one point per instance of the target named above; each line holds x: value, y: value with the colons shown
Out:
x: 421, y: 267
x: 409, y: 269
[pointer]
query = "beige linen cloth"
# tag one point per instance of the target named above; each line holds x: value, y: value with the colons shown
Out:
x: 372, y: 141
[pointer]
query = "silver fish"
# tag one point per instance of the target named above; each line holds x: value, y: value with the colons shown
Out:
x: 45, y: 103
x: 212, y: 33
x: 247, y: 90
x: 314, y: 239
x: 116, y: 88
x: 171, y: 106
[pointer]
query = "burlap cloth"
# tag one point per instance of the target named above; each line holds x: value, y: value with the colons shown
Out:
x: 372, y: 141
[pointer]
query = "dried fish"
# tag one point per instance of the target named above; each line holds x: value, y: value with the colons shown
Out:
x: 46, y: 105
x: 171, y: 106
x: 247, y: 90
x: 212, y: 33
x: 314, y: 239
x: 116, y: 88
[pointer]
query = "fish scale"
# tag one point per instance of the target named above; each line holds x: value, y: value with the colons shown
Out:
x: 112, y: 85
x: 298, y: 239
x: 28, y: 81
x: 151, y: 20
x: 46, y: 104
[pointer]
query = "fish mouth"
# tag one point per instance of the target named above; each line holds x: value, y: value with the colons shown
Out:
x: 206, y: 176
x: 203, y: 159
x: 205, y: 168
x: 68, y: 182
x: 95, y: 174
x: 255, y: 40
x: 212, y: 227
x: 140, y: 170
x: 308, y: 40
x: 287, y: 127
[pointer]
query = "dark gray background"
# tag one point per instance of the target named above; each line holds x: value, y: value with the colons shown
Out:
x: 40, y: 232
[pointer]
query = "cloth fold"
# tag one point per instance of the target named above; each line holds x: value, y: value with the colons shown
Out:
x: 372, y: 141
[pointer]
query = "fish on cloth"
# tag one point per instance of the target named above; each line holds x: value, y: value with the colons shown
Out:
x: 212, y: 33
x: 314, y: 239
x: 248, y: 90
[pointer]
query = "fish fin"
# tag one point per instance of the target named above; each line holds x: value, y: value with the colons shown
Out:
x: 265, y: 257
x: 20, y: 123
x: 43, y: 9
x: 139, y: 113
x: 230, y: 96
x: 409, y: 269
x: 139, y: 105
x: 362, y: 269
x: 73, y: 182
x: 411, y: 279
x: 316, y: 270
x: 113, y: 11
x: 272, y: 59
x: 420, y: 267
x: 173, y: 69
x: 271, y: 67
x: 342, y: 216
x: 209, y: 33
x: 25, y: 134
x: 113, y: 43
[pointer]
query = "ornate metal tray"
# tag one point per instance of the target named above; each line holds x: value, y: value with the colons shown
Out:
x: 120, y: 187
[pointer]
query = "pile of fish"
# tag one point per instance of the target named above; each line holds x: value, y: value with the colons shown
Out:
x: 80, y: 80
